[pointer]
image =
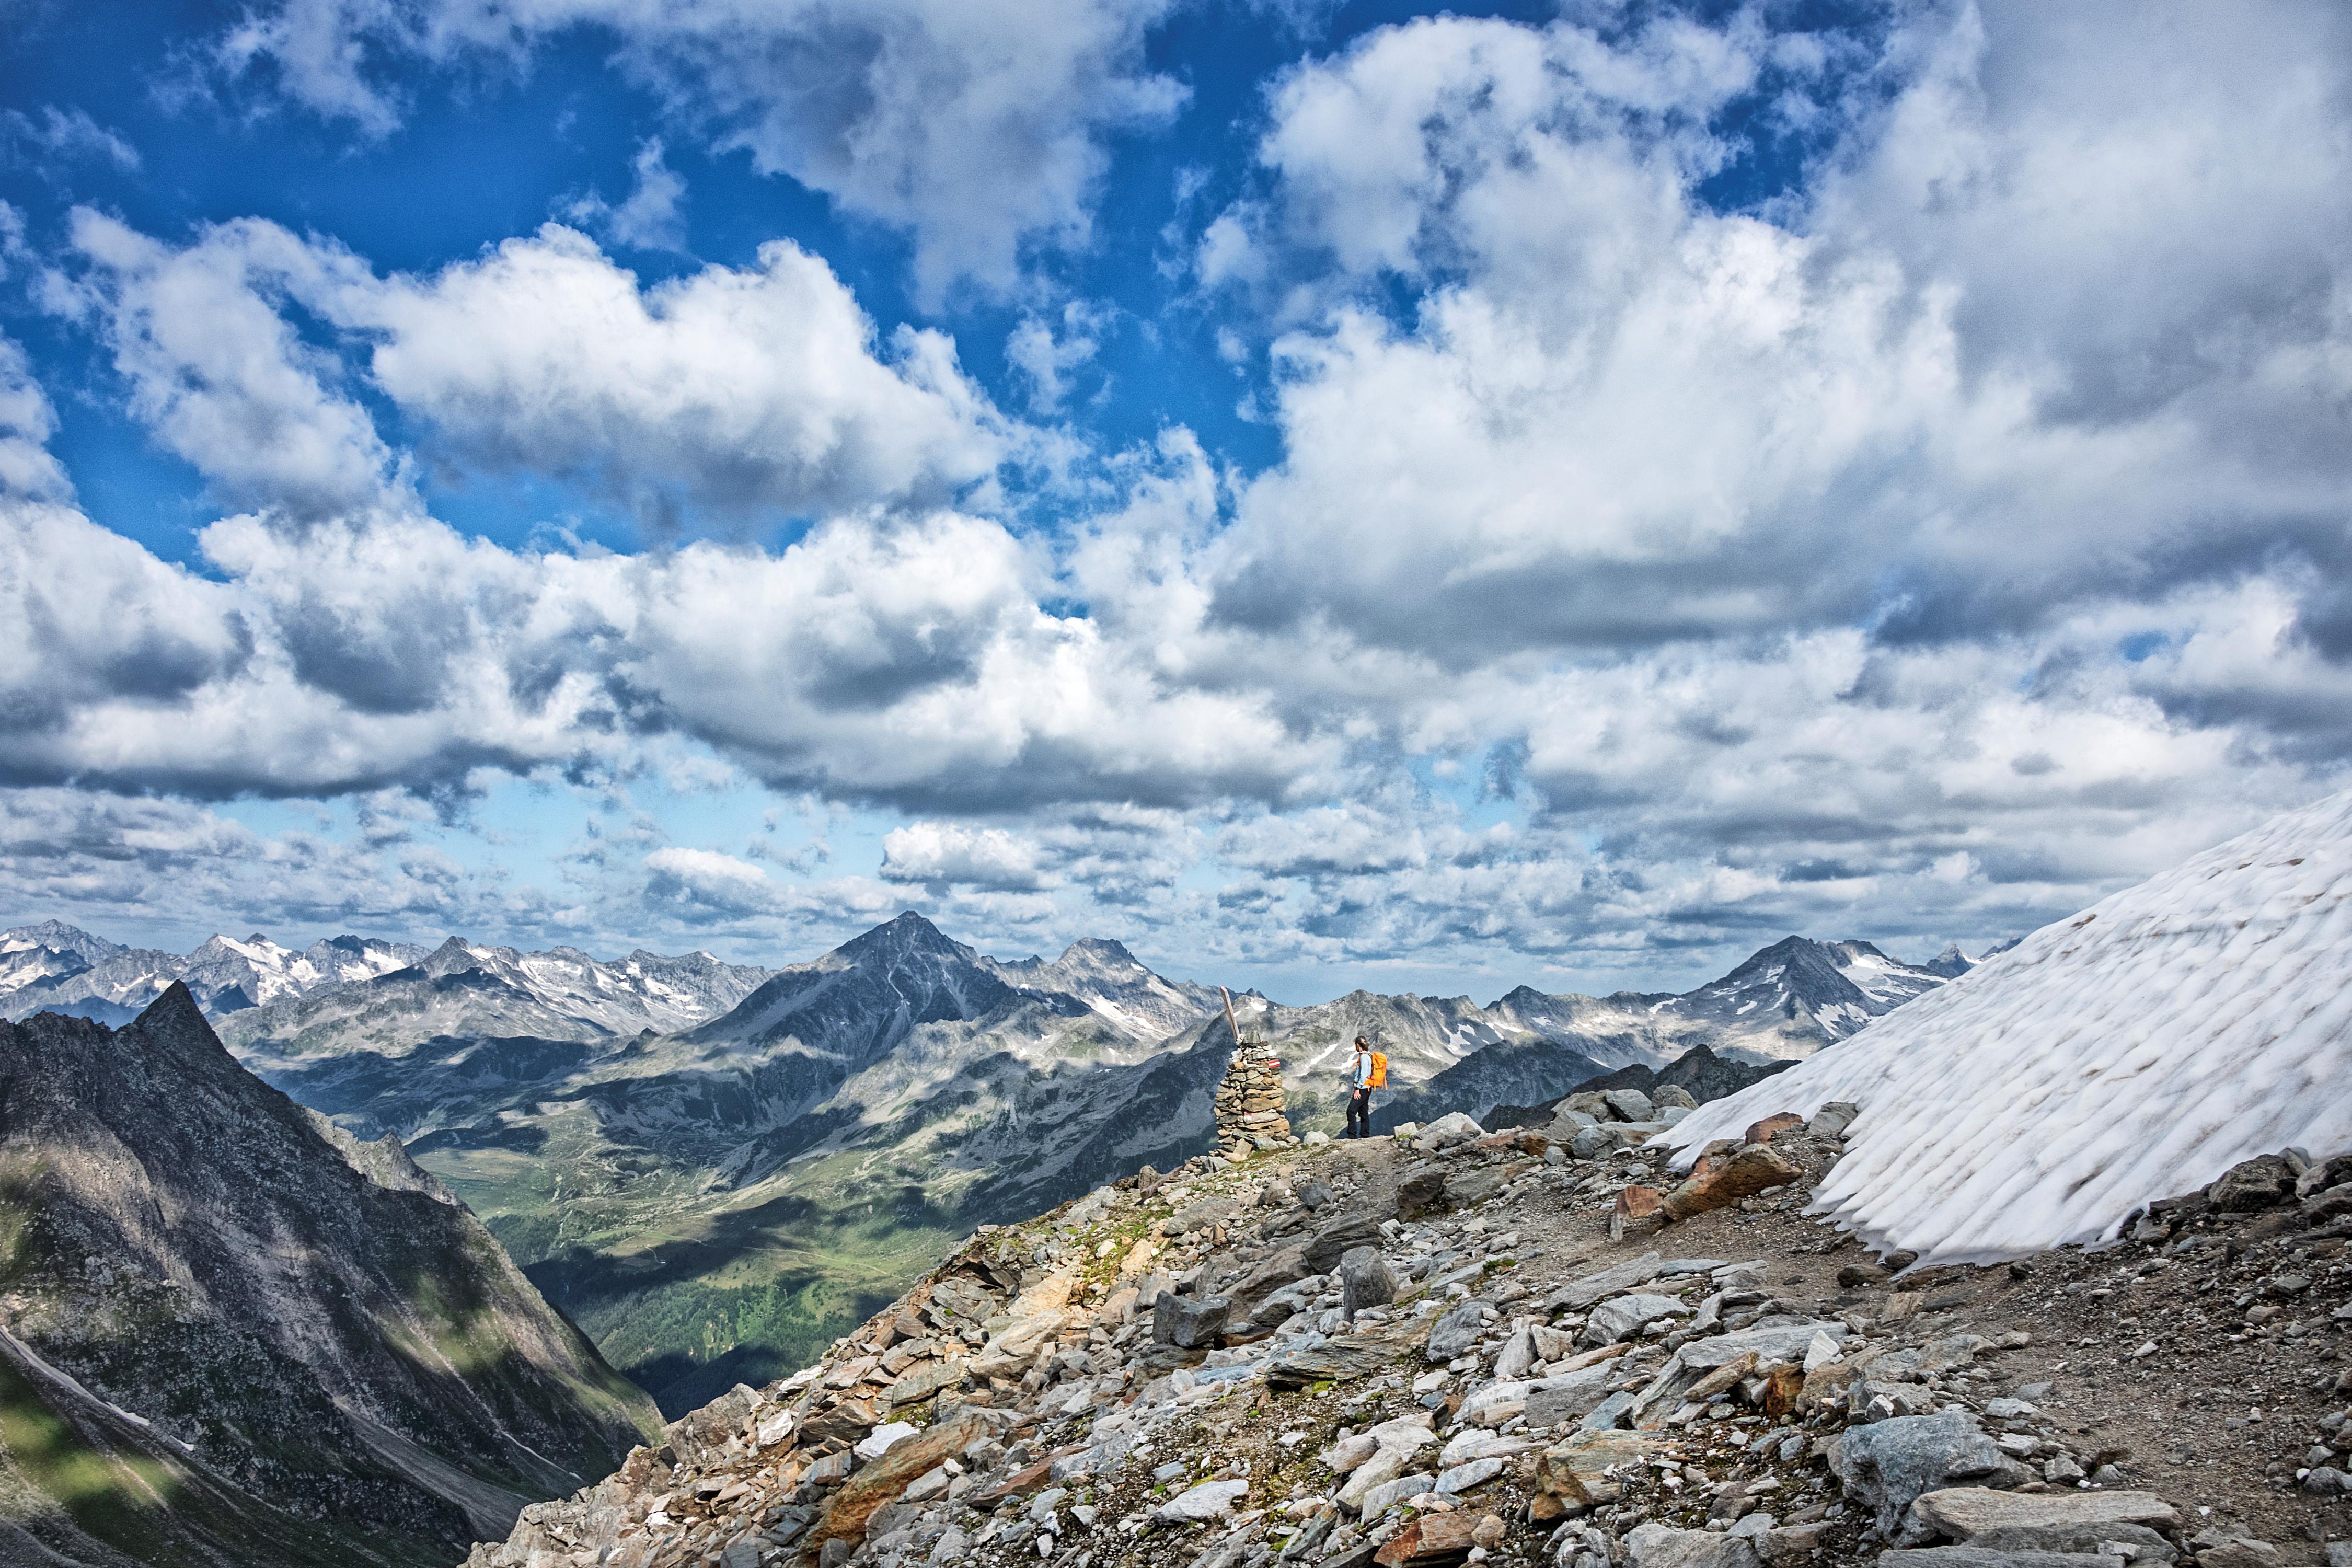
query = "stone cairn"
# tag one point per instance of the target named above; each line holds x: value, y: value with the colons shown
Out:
x: 1249, y: 1103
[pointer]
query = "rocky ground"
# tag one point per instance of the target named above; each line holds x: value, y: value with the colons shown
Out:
x: 1537, y: 1346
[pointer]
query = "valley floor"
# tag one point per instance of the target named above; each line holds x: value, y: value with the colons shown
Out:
x: 1536, y: 1393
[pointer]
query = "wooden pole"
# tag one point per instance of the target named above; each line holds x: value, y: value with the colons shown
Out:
x: 1236, y: 1028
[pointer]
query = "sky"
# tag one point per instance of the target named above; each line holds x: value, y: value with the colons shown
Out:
x: 1327, y: 494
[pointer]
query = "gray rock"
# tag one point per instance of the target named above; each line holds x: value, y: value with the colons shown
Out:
x: 1186, y: 1322
x: 1448, y: 1130
x: 1572, y: 1396
x: 2326, y: 1481
x: 1322, y: 1254
x: 1629, y: 1104
x: 1662, y: 1546
x: 1206, y: 1500
x: 1313, y: 1196
x: 1885, y: 1467
x: 1592, y: 1142
x: 1626, y: 1316
x: 1965, y: 1513
x: 1974, y: 1556
x: 1582, y: 1292
x: 1457, y: 1332
x: 1611, y: 1413
x: 2155, y: 1552
x: 2256, y: 1184
x: 1365, y: 1280
x: 1832, y: 1119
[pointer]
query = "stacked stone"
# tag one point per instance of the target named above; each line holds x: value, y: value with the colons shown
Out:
x: 1249, y: 1103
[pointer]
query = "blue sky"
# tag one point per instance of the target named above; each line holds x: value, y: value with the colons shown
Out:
x: 1328, y: 495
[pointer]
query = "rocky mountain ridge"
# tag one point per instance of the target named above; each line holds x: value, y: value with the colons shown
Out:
x: 767, y: 1166
x: 1449, y: 1347
x: 235, y: 1334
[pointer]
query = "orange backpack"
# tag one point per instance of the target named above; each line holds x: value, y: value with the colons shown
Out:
x: 1380, y: 1069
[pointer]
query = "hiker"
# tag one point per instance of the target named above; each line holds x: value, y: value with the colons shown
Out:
x: 1361, y: 1080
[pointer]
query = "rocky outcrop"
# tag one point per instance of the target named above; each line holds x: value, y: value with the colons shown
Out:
x: 251, y: 1337
x: 1479, y: 1375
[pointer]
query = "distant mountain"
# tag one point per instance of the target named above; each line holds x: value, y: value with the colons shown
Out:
x: 711, y: 1191
x: 463, y: 990
x: 457, y: 989
x: 766, y: 1168
x: 1797, y: 996
x: 53, y: 967
x: 237, y: 1335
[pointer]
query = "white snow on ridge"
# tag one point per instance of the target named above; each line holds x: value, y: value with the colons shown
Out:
x: 2132, y: 1052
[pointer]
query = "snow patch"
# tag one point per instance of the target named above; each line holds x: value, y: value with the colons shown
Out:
x: 2133, y: 1052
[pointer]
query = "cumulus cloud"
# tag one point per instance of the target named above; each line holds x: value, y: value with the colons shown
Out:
x: 726, y: 390
x: 649, y: 217
x: 1864, y: 560
x: 978, y: 129
x: 946, y: 852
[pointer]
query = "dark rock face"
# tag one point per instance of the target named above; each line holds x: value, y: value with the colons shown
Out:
x: 299, y: 1317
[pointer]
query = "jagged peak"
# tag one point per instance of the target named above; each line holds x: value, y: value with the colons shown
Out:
x: 906, y: 932
x: 174, y: 1010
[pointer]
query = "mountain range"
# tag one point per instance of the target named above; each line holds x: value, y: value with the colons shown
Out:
x: 235, y: 1334
x: 714, y: 1167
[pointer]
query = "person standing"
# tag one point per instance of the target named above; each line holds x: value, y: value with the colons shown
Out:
x: 1359, y: 1090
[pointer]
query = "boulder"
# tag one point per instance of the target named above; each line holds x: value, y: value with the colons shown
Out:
x: 1339, y: 1359
x: 1623, y: 1317
x: 1188, y: 1323
x: 1286, y: 1266
x: 1420, y: 1191
x: 1447, y: 1130
x: 1772, y: 1127
x: 2260, y: 1182
x: 1638, y: 1212
x: 1629, y: 1104
x: 1365, y: 1280
x: 1206, y: 1500
x: 1964, y: 1513
x: 1585, y: 1289
x: 1571, y: 1396
x: 1335, y: 1240
x: 2155, y: 1552
x: 1594, y: 1143
x: 1888, y: 1464
x: 1456, y: 1334
x: 1983, y: 1557
x: 1577, y: 1470
x: 1464, y: 1188
x: 1431, y: 1541
x: 1753, y: 1169
x: 1832, y: 1119
x: 1662, y: 1546
x: 856, y: 1499
x: 1671, y: 1097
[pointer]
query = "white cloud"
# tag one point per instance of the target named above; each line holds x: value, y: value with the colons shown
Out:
x: 220, y: 375
x: 649, y: 217
x: 63, y: 135
x: 978, y: 127
x: 727, y: 390
x: 1866, y: 562
x: 27, y: 422
x: 946, y: 852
